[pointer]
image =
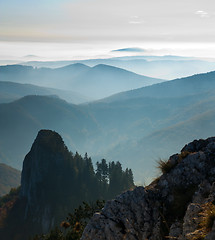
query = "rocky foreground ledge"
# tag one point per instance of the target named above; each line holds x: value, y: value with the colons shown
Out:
x: 178, y: 205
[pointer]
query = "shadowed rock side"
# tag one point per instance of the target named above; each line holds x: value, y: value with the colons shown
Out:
x: 54, y: 182
x: 43, y: 168
x: 177, y: 205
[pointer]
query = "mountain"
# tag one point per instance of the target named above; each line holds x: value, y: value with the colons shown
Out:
x: 22, y: 119
x: 181, y: 87
x: 54, y: 182
x: 103, y: 80
x: 10, y: 91
x: 9, y: 178
x: 134, y: 49
x: 152, y: 122
x: 135, y: 127
x: 177, y: 205
x: 96, y: 82
x: 164, y: 67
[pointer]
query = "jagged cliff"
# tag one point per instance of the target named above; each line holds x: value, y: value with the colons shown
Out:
x: 54, y: 182
x: 177, y: 205
x: 48, y: 189
x: 44, y: 168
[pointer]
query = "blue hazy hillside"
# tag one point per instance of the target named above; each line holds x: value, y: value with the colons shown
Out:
x: 10, y: 91
x: 135, y: 127
x: 164, y: 67
x: 191, y: 85
x: 93, y: 82
x: 22, y: 119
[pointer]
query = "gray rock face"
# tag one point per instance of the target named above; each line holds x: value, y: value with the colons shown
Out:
x: 175, y: 206
x: 129, y: 216
x: 41, y: 167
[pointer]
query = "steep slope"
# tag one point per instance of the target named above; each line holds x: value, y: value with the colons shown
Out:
x: 177, y: 205
x: 9, y: 178
x: 96, y: 82
x: 10, y: 91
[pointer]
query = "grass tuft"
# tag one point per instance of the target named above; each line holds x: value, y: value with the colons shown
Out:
x: 165, y: 166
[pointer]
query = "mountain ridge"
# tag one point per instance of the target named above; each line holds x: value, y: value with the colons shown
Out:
x: 133, y: 130
x: 94, y: 82
x: 160, y: 89
x: 164, y: 67
x: 11, y: 91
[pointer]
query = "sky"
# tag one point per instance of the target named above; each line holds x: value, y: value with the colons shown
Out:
x: 105, y: 24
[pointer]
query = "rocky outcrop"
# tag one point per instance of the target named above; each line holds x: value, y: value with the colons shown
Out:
x: 44, y: 168
x: 177, y: 205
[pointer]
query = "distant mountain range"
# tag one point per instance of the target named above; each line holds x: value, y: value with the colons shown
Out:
x: 22, y: 119
x: 9, y: 178
x: 135, y: 127
x: 164, y: 67
x: 93, y: 82
x: 10, y: 91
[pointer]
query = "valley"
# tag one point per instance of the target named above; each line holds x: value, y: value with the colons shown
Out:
x: 136, y: 127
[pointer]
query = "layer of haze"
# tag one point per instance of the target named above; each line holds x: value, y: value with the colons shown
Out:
x: 81, y: 25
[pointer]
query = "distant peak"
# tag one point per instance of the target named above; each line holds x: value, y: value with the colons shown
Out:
x: 75, y: 65
x: 134, y: 49
x: 104, y: 66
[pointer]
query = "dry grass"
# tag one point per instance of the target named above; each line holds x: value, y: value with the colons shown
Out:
x: 207, y: 221
x: 208, y: 216
x: 165, y: 166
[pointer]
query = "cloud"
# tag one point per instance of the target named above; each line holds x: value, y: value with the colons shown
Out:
x: 202, y: 14
x: 135, y: 20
